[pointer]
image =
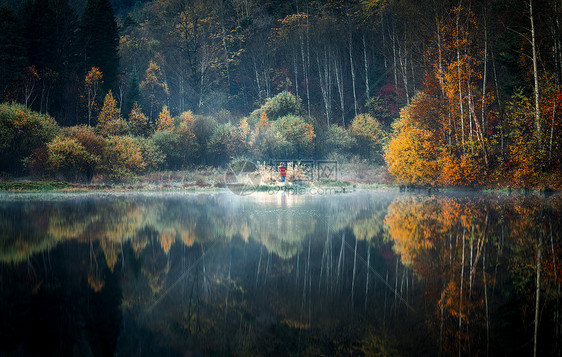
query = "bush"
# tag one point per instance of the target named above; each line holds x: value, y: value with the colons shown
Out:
x: 22, y: 131
x: 339, y: 141
x: 297, y: 133
x: 203, y: 128
x: 86, y: 136
x: 167, y: 143
x: 153, y: 157
x: 269, y: 144
x: 70, y: 158
x: 284, y: 103
x: 187, y: 144
x: 225, y: 142
x: 122, y: 157
x: 412, y: 156
x: 370, y: 137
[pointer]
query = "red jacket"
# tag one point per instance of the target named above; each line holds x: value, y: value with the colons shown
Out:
x: 283, y: 170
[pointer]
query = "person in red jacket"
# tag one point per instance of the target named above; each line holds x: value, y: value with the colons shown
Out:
x: 283, y: 171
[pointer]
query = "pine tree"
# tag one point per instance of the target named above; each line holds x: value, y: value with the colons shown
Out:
x: 13, y: 58
x: 39, y: 33
x: 100, y: 40
x: 133, y: 93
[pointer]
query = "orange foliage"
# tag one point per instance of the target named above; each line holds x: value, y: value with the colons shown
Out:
x: 165, y: 122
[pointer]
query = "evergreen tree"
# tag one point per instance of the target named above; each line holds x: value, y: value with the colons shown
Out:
x: 133, y: 93
x: 100, y: 40
x: 39, y: 34
x: 12, y: 53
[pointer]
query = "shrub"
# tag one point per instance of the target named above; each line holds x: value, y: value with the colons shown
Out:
x: 339, y: 141
x: 203, y: 128
x: 153, y: 157
x: 188, y: 146
x: 284, y: 103
x: 225, y: 142
x: 166, y: 142
x: 22, y: 131
x: 122, y: 157
x: 297, y: 133
x: 86, y: 136
x: 411, y: 155
x: 70, y: 158
x: 370, y: 137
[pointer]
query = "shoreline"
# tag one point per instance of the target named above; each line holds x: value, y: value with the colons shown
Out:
x: 297, y: 188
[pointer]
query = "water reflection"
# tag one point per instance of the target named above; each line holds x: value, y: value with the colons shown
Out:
x: 363, y: 273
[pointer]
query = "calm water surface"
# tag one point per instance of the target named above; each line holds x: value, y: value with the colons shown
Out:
x: 360, y: 274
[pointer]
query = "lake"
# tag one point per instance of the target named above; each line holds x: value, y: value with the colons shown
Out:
x: 363, y: 273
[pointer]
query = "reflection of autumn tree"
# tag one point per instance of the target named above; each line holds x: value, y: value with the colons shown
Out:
x: 450, y: 244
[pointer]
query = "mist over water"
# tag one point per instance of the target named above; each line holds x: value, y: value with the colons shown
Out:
x: 366, y: 273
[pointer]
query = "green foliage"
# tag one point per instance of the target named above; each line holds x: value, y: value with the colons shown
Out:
x: 370, y: 137
x: 12, y: 50
x: 133, y: 96
x: 22, y: 131
x: 203, y: 128
x: 339, y: 141
x: 284, y: 103
x: 166, y: 142
x: 297, y: 133
x: 270, y: 143
x: 225, y: 142
x: 154, y: 158
x: 525, y: 156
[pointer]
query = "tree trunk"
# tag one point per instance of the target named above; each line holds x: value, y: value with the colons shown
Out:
x: 352, y: 72
x: 459, y: 77
x: 366, y: 69
x: 535, y: 76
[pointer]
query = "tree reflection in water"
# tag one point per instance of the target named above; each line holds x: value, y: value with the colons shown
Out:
x: 365, y: 273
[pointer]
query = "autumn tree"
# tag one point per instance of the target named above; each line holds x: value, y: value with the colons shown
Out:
x: 110, y: 121
x: 92, y: 83
x: 187, y: 139
x: 138, y: 122
x: 154, y: 87
x: 165, y: 122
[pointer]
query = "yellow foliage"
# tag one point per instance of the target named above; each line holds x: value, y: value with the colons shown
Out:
x: 123, y: 156
x: 109, y: 119
x: 263, y: 124
x: 165, y: 121
x: 411, y: 156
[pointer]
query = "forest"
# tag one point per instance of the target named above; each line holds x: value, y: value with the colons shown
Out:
x: 460, y: 93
